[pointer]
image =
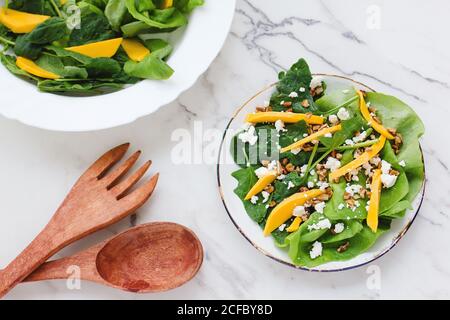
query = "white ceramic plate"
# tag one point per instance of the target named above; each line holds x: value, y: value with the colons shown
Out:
x: 253, y: 233
x: 196, y: 46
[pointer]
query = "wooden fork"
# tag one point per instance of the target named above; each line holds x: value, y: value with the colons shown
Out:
x: 98, y: 199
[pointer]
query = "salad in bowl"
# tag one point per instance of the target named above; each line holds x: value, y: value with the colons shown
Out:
x: 326, y: 170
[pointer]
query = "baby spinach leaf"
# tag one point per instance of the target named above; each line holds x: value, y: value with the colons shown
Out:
x: 10, y: 63
x: 246, y: 179
x: 36, y: 6
x: 152, y: 67
x: 396, y: 114
x: 50, y: 30
x: 103, y: 68
x: 162, y: 19
x: 159, y: 47
x: 116, y: 11
x: 94, y: 27
x: 287, y: 187
x: 25, y: 48
x: 60, y: 52
x: 297, y: 79
x: 352, y: 227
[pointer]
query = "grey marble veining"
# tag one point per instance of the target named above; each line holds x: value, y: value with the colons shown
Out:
x: 406, y: 57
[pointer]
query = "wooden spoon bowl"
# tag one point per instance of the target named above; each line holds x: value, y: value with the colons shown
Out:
x: 151, y: 258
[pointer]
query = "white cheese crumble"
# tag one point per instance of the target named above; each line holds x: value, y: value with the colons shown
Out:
x: 305, y: 135
x: 299, y: 211
x: 319, y: 207
x: 279, y: 126
x: 352, y: 189
x: 339, y: 227
x: 321, y: 224
x: 349, y: 142
x: 328, y: 135
x: 293, y: 94
x: 282, y: 227
x: 249, y: 136
x: 316, y: 250
x: 402, y: 163
x: 265, y: 195
x: 375, y: 161
x: 332, y: 164
x: 343, y: 114
x: 261, y: 172
x: 296, y: 151
x: 290, y: 185
x: 388, y: 180
x: 385, y: 166
x: 341, y: 206
x: 302, y: 89
x: 282, y: 102
x: 333, y: 119
x: 322, y: 185
x: 310, y: 184
x: 304, y: 168
x: 254, y: 199
x: 315, y: 82
x: 281, y: 177
x: 360, y: 137
x: 312, y: 172
x: 273, y: 165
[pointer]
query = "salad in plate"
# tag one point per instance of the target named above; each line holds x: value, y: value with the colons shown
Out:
x: 89, y: 46
x: 326, y: 172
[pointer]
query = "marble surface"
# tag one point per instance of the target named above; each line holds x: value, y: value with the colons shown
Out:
x: 396, y: 47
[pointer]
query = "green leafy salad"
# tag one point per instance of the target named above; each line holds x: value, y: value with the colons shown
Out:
x: 90, y: 46
x: 325, y: 172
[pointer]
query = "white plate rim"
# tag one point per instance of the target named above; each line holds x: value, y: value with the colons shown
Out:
x: 393, y: 243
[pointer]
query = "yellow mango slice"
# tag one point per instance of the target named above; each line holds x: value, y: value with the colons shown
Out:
x: 287, y: 117
x: 167, y: 4
x: 295, y: 225
x: 358, y: 162
x: 135, y: 50
x: 261, y: 184
x: 32, y: 68
x: 366, y: 114
x: 283, y: 211
x: 101, y: 49
x: 375, y: 189
x: 20, y: 22
x: 311, y: 137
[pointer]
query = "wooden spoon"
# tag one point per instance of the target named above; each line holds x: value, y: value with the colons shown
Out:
x: 152, y: 257
x: 98, y: 199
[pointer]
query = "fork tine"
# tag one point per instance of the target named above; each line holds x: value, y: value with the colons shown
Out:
x: 106, y: 161
x: 118, y: 173
x: 139, y: 196
x: 120, y: 189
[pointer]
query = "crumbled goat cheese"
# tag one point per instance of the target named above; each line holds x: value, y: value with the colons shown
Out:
x: 388, y: 180
x: 328, y: 135
x: 339, y: 227
x: 299, y: 211
x: 332, y: 164
x: 261, y: 172
x: 343, y: 114
x: 293, y: 94
x: 290, y: 185
x: 312, y: 172
x: 273, y: 165
x: 315, y: 82
x: 281, y: 177
x: 320, y: 225
x: 254, y: 199
x: 320, y: 206
x: 333, y: 119
x: 302, y: 89
x: 282, y: 227
x: 368, y: 169
x: 305, y: 135
x: 341, y: 206
x: 360, y: 137
x: 249, y: 136
x: 375, y: 161
x: 402, y: 163
x: 355, y: 178
x: 282, y: 102
x: 349, y: 142
x: 352, y: 189
x: 310, y: 184
x: 279, y: 126
x: 304, y: 168
x: 322, y: 185
x: 316, y: 250
x: 265, y: 195
x: 296, y: 151
x: 385, y: 166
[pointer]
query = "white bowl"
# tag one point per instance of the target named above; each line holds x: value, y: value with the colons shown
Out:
x: 252, y: 231
x: 196, y: 47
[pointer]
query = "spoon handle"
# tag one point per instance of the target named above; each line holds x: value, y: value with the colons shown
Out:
x: 79, y: 266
